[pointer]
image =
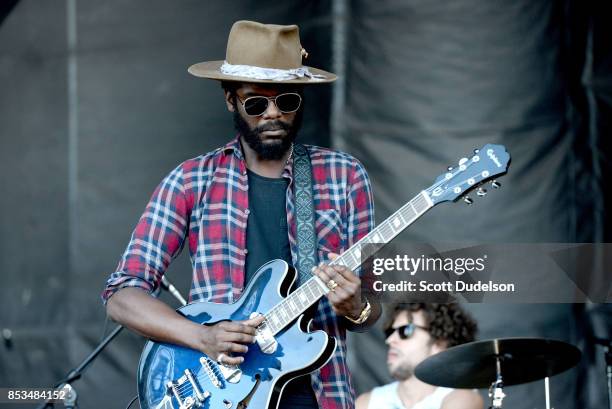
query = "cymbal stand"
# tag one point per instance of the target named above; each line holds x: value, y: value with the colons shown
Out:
x: 607, y: 344
x: 547, y: 391
x: 496, y: 392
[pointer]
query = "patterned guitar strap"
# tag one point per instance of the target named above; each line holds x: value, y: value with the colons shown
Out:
x: 304, y: 211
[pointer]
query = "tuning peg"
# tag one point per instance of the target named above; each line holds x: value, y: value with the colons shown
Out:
x: 462, y: 161
x: 481, y: 192
x: 495, y: 184
x: 476, y: 151
x: 449, y: 168
x: 468, y: 200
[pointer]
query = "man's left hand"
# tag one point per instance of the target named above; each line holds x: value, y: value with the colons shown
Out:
x: 345, y: 298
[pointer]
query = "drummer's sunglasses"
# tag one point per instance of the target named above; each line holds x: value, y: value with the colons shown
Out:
x: 405, y: 331
x: 286, y: 103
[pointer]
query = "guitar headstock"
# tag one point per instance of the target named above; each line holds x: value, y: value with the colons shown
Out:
x: 486, y: 163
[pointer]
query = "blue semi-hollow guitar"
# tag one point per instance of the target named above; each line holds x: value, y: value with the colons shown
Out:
x: 173, y: 377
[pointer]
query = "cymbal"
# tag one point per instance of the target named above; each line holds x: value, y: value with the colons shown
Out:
x: 522, y: 360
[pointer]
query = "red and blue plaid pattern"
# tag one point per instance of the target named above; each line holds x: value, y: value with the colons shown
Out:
x: 205, y: 200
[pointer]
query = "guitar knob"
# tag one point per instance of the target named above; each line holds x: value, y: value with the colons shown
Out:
x: 481, y: 192
x: 495, y: 184
x: 476, y: 151
x: 468, y: 200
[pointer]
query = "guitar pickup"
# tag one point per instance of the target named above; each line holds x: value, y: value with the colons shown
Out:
x: 265, y: 339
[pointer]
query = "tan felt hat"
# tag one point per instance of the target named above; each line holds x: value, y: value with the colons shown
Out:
x: 262, y: 53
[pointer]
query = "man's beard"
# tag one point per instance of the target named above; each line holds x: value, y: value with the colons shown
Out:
x: 402, y: 372
x: 276, y: 149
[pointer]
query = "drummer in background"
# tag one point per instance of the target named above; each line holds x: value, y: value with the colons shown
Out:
x: 415, y: 332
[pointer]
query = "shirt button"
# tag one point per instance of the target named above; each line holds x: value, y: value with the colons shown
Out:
x: 247, y: 211
x: 246, y: 251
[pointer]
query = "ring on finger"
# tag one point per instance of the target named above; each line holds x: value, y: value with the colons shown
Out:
x: 220, y: 357
x: 331, y: 284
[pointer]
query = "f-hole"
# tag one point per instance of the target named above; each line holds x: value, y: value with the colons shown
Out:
x: 245, y: 402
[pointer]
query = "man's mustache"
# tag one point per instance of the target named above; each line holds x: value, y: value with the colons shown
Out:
x: 273, y: 126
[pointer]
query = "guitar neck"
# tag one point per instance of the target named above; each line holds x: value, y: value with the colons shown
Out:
x: 385, y: 232
x: 312, y: 290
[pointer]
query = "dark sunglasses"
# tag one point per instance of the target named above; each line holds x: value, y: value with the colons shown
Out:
x: 405, y: 331
x: 286, y: 103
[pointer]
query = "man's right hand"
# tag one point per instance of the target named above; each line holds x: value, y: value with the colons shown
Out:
x: 223, y: 339
x: 152, y: 318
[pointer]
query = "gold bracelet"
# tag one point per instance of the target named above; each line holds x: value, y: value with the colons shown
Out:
x: 363, y: 316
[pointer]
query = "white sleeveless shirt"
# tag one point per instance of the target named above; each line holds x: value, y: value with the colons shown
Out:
x: 386, y: 397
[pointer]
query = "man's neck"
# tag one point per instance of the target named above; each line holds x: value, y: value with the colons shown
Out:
x: 264, y: 167
x: 412, y: 390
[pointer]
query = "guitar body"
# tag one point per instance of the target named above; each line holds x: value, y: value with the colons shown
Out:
x: 263, y: 375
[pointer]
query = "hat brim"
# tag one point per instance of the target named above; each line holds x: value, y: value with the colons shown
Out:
x: 211, y: 70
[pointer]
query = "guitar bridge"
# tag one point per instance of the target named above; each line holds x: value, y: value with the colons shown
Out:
x: 231, y: 373
x: 196, y: 400
x: 210, y: 371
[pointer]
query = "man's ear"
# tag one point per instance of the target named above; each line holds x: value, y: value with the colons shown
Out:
x: 230, y: 101
x: 438, y: 346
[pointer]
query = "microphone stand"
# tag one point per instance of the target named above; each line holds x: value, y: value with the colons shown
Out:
x: 65, y: 384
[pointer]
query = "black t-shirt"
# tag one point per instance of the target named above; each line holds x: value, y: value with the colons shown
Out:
x: 268, y: 239
x: 267, y: 236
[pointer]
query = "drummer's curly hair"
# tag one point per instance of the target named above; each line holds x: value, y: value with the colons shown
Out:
x: 447, y: 323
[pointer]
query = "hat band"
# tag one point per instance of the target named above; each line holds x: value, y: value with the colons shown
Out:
x: 273, y: 74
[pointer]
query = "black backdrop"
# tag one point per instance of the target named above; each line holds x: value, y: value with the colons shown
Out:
x: 96, y: 106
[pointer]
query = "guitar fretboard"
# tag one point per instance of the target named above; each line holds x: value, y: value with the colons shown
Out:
x: 309, y: 293
x: 295, y: 304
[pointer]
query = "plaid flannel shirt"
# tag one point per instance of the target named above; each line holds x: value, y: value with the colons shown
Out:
x: 205, y: 200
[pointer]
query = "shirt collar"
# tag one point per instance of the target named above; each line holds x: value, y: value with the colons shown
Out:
x: 233, y: 147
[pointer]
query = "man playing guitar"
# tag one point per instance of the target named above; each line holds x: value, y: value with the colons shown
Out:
x: 234, y: 209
